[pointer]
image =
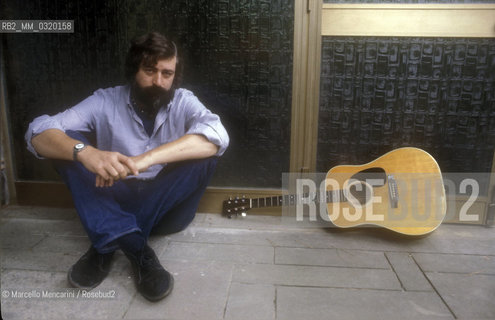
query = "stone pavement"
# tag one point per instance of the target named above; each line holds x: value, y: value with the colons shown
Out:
x: 259, y: 267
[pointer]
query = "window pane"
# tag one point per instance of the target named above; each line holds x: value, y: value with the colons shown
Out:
x: 378, y: 94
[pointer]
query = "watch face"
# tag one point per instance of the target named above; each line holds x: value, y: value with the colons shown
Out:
x: 79, y: 146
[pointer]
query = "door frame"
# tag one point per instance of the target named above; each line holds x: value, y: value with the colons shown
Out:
x: 314, y: 20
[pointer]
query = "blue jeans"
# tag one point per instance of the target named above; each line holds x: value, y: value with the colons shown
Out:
x: 164, y: 205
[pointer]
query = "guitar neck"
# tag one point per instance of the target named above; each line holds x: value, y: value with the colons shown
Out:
x: 291, y: 200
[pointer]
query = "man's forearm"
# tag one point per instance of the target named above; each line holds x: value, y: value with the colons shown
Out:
x: 54, y: 144
x: 188, y: 147
x: 108, y: 166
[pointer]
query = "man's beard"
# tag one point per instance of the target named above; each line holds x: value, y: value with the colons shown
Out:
x: 151, y: 98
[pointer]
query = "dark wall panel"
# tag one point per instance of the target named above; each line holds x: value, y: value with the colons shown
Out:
x: 238, y: 57
x: 378, y: 94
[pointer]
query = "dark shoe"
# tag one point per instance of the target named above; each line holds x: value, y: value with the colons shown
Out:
x: 90, y: 270
x: 152, y: 280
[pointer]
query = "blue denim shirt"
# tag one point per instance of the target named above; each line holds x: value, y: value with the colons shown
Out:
x: 108, y: 114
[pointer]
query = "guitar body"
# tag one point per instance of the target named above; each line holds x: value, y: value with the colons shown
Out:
x: 402, y: 191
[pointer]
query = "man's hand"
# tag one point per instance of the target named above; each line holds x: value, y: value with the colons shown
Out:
x: 108, y: 166
x: 143, y: 161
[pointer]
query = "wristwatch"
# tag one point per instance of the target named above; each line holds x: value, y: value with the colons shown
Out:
x: 78, y: 148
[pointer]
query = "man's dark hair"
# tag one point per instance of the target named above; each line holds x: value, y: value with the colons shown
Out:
x: 148, y: 49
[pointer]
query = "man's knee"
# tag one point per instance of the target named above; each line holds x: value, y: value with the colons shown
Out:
x: 199, y: 168
x: 206, y: 163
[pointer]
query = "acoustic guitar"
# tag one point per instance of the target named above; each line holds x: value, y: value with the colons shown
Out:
x: 401, y: 191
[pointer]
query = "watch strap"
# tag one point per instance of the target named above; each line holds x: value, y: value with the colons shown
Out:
x: 77, y: 148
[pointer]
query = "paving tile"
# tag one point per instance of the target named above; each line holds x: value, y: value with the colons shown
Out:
x: 260, y: 222
x: 30, y: 227
x: 218, y: 252
x: 331, y: 257
x: 410, y: 276
x: 37, y: 260
x: 353, y: 239
x: 200, y: 292
x: 470, y: 296
x: 109, y: 301
x: 457, y: 239
x: 27, y: 212
x: 70, y: 244
x: 250, y: 302
x: 316, y: 276
x: 464, y: 246
x: 303, y: 238
x: 53, y: 261
x: 13, y: 241
x: 466, y: 232
x: 250, y: 222
x: 331, y: 303
x: 225, y: 236
x: 460, y: 263
x: 462, y: 239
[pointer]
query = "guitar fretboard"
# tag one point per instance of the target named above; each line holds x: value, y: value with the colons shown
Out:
x: 291, y: 200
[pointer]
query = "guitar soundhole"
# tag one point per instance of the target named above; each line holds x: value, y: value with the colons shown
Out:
x: 377, y: 174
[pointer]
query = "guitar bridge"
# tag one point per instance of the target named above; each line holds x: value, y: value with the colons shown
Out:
x: 393, y: 191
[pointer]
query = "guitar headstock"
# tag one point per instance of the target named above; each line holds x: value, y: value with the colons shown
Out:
x: 237, y: 206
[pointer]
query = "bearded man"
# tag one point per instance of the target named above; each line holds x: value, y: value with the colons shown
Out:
x: 153, y: 149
